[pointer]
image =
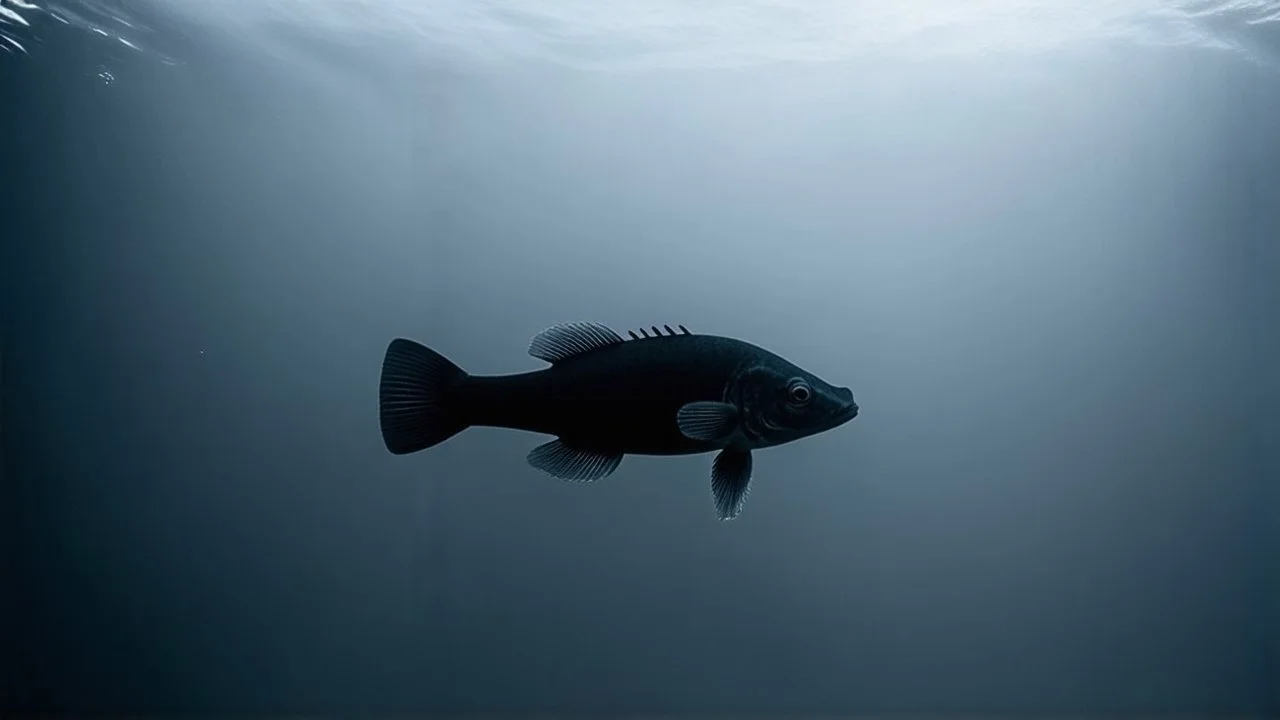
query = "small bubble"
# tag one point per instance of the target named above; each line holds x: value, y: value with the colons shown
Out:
x: 106, y: 76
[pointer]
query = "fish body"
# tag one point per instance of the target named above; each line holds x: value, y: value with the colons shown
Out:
x: 604, y: 397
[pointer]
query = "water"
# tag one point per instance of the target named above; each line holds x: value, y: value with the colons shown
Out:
x: 1038, y: 241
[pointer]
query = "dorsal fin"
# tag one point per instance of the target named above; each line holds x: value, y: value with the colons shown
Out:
x: 653, y: 332
x: 568, y: 339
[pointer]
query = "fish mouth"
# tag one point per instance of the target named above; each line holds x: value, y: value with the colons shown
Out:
x: 850, y: 409
x: 846, y: 413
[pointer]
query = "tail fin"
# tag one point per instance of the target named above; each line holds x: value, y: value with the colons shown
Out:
x: 413, y: 405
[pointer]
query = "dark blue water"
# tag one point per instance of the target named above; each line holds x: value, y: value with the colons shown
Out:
x: 1044, y: 260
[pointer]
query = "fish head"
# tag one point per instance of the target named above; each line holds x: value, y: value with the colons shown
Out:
x: 780, y: 402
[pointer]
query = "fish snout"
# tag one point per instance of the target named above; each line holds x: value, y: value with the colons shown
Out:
x: 850, y: 408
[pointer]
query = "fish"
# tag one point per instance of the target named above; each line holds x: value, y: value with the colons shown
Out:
x: 658, y: 392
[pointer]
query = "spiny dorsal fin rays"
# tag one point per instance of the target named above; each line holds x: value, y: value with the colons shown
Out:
x: 653, y: 332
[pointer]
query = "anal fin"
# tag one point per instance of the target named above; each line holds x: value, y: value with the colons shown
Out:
x: 563, y: 460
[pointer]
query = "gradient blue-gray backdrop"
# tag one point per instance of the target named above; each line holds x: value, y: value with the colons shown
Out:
x: 1039, y: 239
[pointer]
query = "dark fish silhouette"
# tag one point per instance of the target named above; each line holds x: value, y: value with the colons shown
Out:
x: 660, y: 393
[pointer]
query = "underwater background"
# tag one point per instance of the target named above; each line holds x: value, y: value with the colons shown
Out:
x: 1039, y: 239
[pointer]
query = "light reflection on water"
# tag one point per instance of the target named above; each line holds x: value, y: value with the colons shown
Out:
x: 675, y: 33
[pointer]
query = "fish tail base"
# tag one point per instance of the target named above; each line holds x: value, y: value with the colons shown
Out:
x: 413, y: 398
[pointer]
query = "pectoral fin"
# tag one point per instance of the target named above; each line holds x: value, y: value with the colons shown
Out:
x: 730, y: 482
x: 708, y: 421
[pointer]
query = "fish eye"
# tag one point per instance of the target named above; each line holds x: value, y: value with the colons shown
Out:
x: 799, y: 393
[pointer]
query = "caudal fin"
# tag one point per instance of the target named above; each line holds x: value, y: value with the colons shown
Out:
x: 413, y: 397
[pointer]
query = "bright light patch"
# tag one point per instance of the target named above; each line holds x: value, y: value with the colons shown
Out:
x: 7, y: 15
x: 677, y: 33
x: 105, y: 18
x: 680, y: 34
